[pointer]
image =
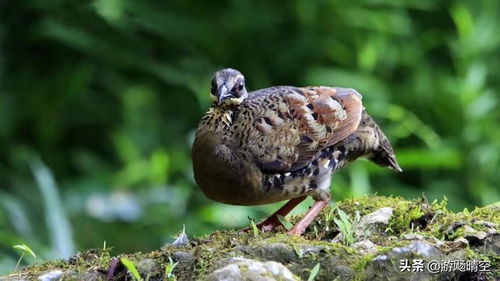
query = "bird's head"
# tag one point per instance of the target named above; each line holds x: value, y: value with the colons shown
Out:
x: 228, y: 87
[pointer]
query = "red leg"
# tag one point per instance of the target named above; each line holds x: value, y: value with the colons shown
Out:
x: 301, y: 226
x: 272, y: 221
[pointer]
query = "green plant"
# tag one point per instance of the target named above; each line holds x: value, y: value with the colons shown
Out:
x: 314, y: 272
x: 286, y: 224
x: 169, y: 269
x: 131, y: 268
x: 347, y: 226
x: 25, y: 249
x: 255, y: 229
x: 103, y: 251
x: 329, y: 218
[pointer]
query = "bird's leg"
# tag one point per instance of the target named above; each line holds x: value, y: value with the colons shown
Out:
x: 272, y: 221
x: 301, y: 226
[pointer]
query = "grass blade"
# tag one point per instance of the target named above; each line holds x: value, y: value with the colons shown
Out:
x: 25, y: 248
x: 131, y: 268
x: 314, y: 272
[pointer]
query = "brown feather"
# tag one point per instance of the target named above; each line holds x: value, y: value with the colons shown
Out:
x: 293, y: 125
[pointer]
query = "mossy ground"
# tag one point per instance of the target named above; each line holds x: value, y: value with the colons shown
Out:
x: 195, y: 260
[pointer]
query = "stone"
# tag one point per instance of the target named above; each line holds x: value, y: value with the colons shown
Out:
x: 54, y: 275
x: 374, y: 221
x: 460, y: 242
x: 304, y: 250
x: 388, y: 266
x: 227, y: 261
x: 147, y: 266
x: 492, y: 244
x: 424, y: 249
x: 277, y: 252
x: 491, y: 232
x: 89, y: 276
x: 487, y: 224
x: 230, y: 272
x: 411, y: 236
x: 242, y: 269
x: 183, y: 258
x: 420, y: 248
x: 365, y: 247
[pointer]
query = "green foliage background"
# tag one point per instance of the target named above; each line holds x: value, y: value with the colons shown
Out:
x: 99, y: 101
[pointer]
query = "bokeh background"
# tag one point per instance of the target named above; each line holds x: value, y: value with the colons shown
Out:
x: 99, y: 101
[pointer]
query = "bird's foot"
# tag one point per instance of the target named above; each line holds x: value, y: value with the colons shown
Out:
x: 301, y: 226
x: 272, y: 221
x: 269, y: 224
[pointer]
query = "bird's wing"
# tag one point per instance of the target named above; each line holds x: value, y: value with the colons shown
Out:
x: 285, y: 128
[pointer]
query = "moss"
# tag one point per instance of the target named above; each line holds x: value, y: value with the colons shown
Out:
x: 429, y: 220
x: 488, y: 213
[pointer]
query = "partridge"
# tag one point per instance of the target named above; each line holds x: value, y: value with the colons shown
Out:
x: 281, y: 143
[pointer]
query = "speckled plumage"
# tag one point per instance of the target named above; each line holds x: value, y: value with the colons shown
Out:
x: 282, y: 142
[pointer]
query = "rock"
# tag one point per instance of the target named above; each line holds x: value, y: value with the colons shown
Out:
x: 474, y: 237
x: 304, y: 250
x: 340, y: 272
x: 411, y: 236
x: 54, y: 275
x: 365, y: 247
x: 241, y: 269
x: 277, y: 252
x: 147, y: 266
x: 492, y: 245
x: 491, y: 232
x: 468, y: 229
x: 333, y: 268
x: 388, y: 266
x: 420, y: 248
x: 227, y: 261
x: 373, y: 222
x: 89, y: 276
x: 425, y: 249
x: 487, y: 224
x: 183, y: 258
x: 460, y: 242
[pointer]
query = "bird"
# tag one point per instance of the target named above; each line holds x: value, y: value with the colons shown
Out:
x: 281, y: 143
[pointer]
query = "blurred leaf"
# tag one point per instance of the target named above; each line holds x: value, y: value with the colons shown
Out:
x: 462, y: 19
x: 426, y: 159
x: 111, y: 10
x: 58, y: 224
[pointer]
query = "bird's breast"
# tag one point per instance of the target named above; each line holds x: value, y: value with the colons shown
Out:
x: 223, y: 175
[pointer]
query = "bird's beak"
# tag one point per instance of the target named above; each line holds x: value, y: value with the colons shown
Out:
x: 222, y: 94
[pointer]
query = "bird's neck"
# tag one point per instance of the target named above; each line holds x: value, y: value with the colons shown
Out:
x: 220, y: 119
